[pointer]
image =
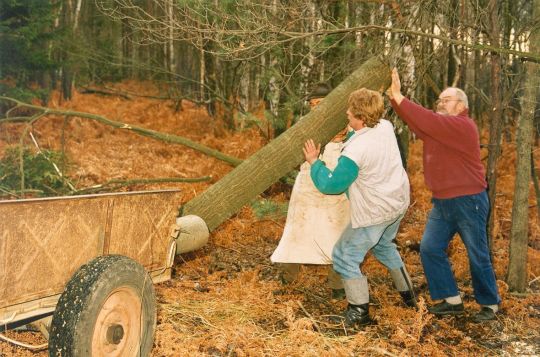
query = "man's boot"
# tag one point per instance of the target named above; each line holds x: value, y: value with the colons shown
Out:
x: 408, y: 298
x: 357, y: 291
x: 335, y: 283
x: 288, y: 272
x: 486, y: 313
x: 357, y: 315
x: 403, y: 284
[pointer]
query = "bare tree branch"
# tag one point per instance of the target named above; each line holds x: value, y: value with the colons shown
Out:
x: 170, y: 138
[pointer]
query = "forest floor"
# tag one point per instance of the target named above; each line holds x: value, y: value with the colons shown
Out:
x: 226, y: 299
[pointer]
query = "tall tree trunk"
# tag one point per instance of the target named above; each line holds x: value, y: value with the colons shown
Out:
x: 274, y: 89
x: 517, y: 264
x: 407, y: 53
x: 254, y: 86
x: 274, y: 86
x: 76, y: 16
x: 283, y: 154
x: 127, y: 69
x: 202, y: 68
x: 172, y: 59
x: 307, y: 66
x: 70, y: 13
x: 452, y: 63
x: 476, y: 99
x: 495, y: 129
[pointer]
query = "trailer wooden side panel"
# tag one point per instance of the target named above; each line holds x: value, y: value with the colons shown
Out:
x: 44, y: 241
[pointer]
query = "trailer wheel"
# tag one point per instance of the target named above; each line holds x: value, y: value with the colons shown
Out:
x: 108, y: 308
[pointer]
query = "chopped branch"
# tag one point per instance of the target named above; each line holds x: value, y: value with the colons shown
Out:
x: 170, y: 138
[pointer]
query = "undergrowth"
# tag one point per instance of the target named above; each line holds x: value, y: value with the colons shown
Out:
x: 40, y: 176
x: 266, y: 208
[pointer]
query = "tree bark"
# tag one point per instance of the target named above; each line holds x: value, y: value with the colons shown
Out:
x: 476, y: 98
x: 452, y: 68
x: 517, y: 264
x: 256, y: 174
x: 170, y: 43
x: 495, y: 129
x: 67, y: 79
x: 536, y: 185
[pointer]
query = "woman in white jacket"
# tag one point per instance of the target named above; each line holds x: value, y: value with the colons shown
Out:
x: 370, y: 171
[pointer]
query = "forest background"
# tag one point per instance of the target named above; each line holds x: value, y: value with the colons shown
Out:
x: 234, y: 75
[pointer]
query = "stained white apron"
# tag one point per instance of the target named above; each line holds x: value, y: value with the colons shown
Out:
x: 315, y: 221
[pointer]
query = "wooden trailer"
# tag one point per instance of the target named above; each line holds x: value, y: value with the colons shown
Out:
x: 90, y: 262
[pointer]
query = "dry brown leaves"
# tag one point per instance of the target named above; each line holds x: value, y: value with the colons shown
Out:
x: 226, y: 300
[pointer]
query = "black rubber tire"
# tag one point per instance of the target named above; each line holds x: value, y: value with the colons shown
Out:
x: 75, y: 316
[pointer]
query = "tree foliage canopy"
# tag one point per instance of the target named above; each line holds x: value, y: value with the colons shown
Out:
x: 27, y: 36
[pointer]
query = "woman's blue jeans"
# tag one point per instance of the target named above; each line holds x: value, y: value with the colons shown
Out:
x: 351, y: 249
x: 466, y: 215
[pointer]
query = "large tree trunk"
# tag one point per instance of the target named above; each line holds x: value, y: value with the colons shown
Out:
x: 283, y: 154
x: 517, y: 265
x: 495, y: 129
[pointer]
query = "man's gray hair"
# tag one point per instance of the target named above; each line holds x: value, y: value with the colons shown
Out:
x: 460, y: 94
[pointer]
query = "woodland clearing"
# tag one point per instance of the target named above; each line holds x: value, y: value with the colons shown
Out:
x: 226, y: 299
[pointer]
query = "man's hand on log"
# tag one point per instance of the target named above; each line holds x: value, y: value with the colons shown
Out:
x: 311, y: 151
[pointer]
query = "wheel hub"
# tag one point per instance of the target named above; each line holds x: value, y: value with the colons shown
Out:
x: 118, y: 325
x: 115, y: 333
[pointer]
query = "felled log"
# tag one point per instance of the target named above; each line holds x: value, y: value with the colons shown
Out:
x: 240, y: 186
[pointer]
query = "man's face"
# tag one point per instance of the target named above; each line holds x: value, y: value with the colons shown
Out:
x: 449, y: 104
x: 313, y: 102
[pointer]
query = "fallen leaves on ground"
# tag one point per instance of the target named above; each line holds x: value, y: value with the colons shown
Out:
x: 226, y: 299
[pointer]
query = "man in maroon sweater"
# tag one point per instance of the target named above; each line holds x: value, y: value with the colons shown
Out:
x: 455, y: 175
